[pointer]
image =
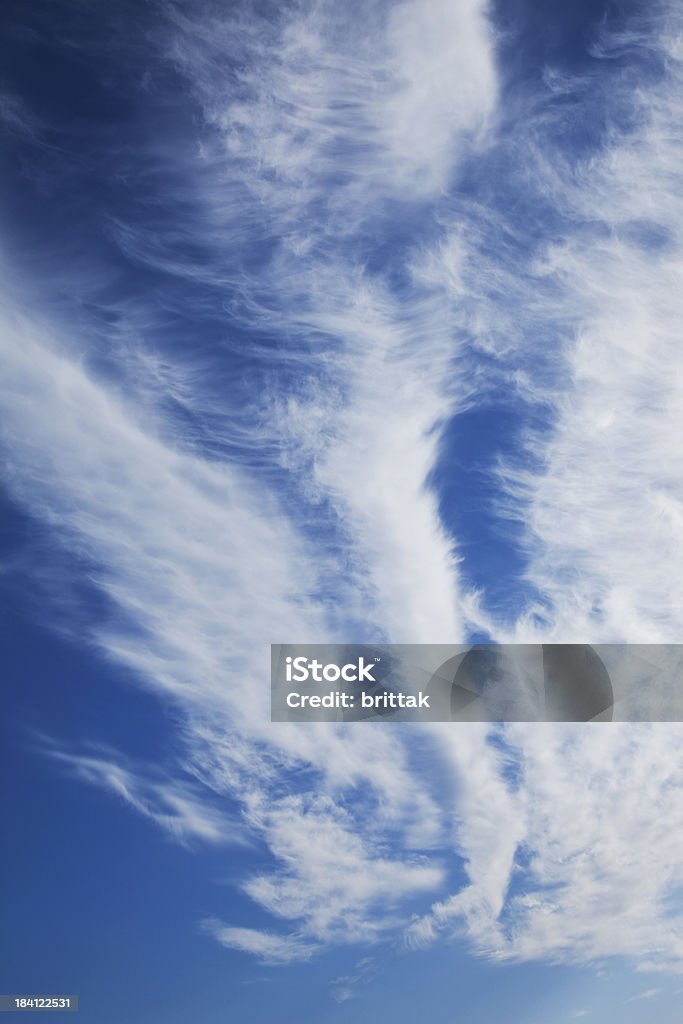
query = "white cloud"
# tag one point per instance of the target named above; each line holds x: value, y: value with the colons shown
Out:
x: 330, y: 876
x: 16, y: 118
x: 379, y: 100
x: 604, y: 513
x: 567, y: 836
x: 179, y: 808
x: 369, y: 446
x: 268, y: 947
x: 198, y: 586
x: 491, y: 823
x: 579, y: 860
x: 440, y: 54
x: 573, y: 855
x: 346, y: 986
x: 648, y: 994
x: 329, y: 116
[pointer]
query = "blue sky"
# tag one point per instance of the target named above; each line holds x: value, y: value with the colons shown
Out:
x: 335, y: 322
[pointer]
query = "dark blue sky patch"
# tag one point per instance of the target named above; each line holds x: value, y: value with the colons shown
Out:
x: 466, y: 480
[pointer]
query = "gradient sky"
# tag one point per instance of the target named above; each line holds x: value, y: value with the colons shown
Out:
x: 335, y: 322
